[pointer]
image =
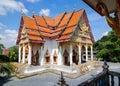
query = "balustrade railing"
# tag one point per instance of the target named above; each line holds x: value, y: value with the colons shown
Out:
x: 105, y: 78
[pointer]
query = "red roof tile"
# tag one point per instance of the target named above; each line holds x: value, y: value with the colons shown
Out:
x: 65, y: 19
x: 33, y: 32
x: 40, y: 21
x: 49, y: 21
x: 46, y: 30
x: 61, y: 26
x: 75, y: 18
x: 30, y: 23
x: 58, y: 18
x: 68, y: 30
x: 35, y: 38
x: 45, y: 34
x: 63, y: 37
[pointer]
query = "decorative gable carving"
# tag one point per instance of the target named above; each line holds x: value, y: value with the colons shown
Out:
x: 84, y: 27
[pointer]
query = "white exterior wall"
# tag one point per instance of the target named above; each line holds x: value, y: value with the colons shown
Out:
x: 51, y: 46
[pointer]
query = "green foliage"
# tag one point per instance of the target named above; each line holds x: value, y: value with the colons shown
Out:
x: 6, y: 68
x: 116, y: 59
x: 4, y: 58
x: 103, y: 54
x: 108, y: 47
x: 1, y: 48
x: 13, y: 53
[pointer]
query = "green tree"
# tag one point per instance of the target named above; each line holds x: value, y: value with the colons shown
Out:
x: 1, y: 48
x: 13, y: 53
x: 108, y: 47
x: 6, y: 68
x: 104, y: 53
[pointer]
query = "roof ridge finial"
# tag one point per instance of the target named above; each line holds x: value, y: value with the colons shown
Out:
x: 74, y: 7
x: 22, y: 11
x: 33, y: 12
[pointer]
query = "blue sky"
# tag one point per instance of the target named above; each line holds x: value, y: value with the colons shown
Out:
x: 10, y: 15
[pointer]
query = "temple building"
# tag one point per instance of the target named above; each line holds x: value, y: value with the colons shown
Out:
x: 65, y: 39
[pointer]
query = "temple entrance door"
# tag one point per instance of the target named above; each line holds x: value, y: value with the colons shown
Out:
x: 66, y: 59
x: 55, y: 59
x: 83, y: 55
x: 47, y: 58
x: 75, y: 55
x: 33, y: 59
x: 26, y: 54
x: 37, y: 58
x: 75, y: 59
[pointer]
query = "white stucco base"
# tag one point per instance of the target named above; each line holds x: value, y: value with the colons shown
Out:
x: 35, y: 69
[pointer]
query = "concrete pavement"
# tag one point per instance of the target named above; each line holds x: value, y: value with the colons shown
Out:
x: 50, y: 79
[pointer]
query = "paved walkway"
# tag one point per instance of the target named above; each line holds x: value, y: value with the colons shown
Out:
x: 50, y: 79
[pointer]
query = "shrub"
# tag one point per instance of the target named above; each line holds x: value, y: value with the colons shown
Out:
x: 4, y: 58
x: 115, y: 59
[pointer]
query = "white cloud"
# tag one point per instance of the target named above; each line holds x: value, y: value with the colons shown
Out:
x: 8, y: 37
x: 11, y: 6
x: 2, y: 25
x: 32, y: 1
x: 45, y: 12
x: 104, y: 34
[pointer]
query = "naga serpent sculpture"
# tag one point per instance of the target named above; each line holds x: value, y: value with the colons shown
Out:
x: 113, y: 22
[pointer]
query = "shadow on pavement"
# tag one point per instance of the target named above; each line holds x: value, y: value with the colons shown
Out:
x: 4, y: 80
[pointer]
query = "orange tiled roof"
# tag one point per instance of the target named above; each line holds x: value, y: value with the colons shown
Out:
x: 35, y: 38
x: 29, y: 23
x: 40, y: 21
x: 30, y: 32
x: 66, y: 33
x: 54, y: 34
x: 65, y: 37
x: 49, y: 21
x: 59, y: 27
x: 75, y: 18
x: 65, y: 19
x: 45, y: 30
x: 58, y: 18
x: 68, y: 30
x: 45, y: 34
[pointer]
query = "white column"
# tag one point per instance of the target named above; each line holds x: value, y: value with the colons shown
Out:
x: 91, y: 53
x: 23, y: 57
x: 86, y: 48
x: 70, y: 54
x: 51, y: 59
x: 19, y: 59
x: 79, y: 47
x: 29, y: 54
x: 60, y: 59
x: 41, y: 58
